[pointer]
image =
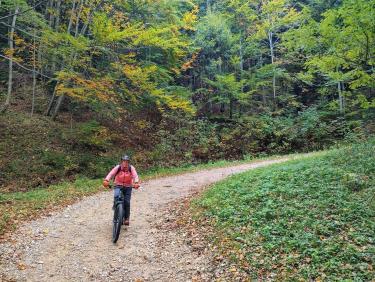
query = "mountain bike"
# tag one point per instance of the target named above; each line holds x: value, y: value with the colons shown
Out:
x: 119, y: 214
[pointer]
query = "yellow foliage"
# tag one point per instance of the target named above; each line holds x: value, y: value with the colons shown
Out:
x: 9, y: 52
x: 19, y: 41
x: 82, y: 89
x: 190, y: 19
x: 141, y: 80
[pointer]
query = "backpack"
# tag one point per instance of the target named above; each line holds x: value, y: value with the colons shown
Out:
x: 119, y: 169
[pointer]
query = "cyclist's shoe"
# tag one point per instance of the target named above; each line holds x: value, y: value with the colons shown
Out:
x: 126, y: 222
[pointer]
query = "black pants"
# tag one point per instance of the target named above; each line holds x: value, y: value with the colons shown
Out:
x: 127, y: 196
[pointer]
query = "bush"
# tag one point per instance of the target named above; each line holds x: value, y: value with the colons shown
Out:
x: 90, y: 135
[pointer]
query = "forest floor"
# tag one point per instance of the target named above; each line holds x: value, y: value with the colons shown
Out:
x: 74, y: 244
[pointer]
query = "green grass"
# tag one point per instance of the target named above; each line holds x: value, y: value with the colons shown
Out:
x: 20, y: 206
x: 312, y: 218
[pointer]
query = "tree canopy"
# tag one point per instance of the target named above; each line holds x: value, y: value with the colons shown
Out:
x: 233, y: 64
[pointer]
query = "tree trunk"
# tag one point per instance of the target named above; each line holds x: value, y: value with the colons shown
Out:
x: 341, y: 99
x: 78, y: 17
x: 71, y: 16
x: 88, y: 20
x: 11, y: 48
x: 46, y: 12
x: 58, y: 12
x: 264, y: 98
x: 34, y: 76
x: 270, y: 40
x: 241, y: 57
x: 58, y: 105
x: 51, y: 17
x: 231, y: 108
x: 61, y: 98
x: 49, y: 109
x: 241, y: 66
x: 343, y: 96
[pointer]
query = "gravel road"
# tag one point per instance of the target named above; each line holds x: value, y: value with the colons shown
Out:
x: 74, y: 244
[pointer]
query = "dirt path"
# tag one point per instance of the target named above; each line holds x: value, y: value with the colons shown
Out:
x: 75, y: 244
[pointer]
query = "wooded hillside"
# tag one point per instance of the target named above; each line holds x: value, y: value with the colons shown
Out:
x: 174, y: 82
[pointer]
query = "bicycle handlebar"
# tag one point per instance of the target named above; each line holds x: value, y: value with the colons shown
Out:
x: 112, y: 186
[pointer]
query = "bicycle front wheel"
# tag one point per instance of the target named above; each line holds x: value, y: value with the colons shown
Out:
x: 117, y: 222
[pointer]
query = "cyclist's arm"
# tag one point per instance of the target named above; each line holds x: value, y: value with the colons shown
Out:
x: 134, y: 175
x: 112, y: 173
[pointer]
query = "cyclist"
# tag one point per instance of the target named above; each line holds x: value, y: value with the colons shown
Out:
x: 125, y: 177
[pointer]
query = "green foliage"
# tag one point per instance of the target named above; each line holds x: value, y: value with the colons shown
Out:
x: 91, y: 135
x: 306, y: 219
x: 339, y: 48
x: 184, y: 81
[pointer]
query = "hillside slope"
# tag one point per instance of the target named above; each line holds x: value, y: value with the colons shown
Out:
x: 306, y: 219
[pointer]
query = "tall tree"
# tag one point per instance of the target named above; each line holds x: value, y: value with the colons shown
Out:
x: 10, y: 54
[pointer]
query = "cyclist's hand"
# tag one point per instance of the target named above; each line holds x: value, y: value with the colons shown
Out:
x: 105, y: 183
x: 136, y: 185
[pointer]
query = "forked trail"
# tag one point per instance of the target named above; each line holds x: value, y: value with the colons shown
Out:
x: 74, y: 244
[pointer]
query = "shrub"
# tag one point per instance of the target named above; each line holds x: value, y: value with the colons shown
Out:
x: 90, y: 135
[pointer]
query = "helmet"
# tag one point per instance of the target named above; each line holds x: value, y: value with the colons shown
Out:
x: 125, y: 158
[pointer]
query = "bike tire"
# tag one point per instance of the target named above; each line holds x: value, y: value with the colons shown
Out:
x: 117, y: 222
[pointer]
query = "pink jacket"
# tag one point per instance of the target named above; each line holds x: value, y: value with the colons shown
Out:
x: 123, y: 177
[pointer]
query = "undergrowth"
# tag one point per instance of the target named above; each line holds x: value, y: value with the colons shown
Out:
x: 306, y: 219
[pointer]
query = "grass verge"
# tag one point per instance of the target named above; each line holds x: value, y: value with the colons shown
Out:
x: 309, y: 219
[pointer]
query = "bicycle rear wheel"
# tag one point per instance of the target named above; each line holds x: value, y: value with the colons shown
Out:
x: 117, y: 222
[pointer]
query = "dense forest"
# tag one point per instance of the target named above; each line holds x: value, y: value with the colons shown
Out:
x: 174, y: 82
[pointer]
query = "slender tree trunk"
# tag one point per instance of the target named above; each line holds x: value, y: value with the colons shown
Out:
x: 241, y: 57
x: 339, y: 91
x: 343, y: 96
x: 341, y: 99
x: 11, y: 48
x: 84, y: 28
x: 34, y: 75
x: 264, y: 98
x: 58, y: 12
x: 61, y: 97
x: 51, y: 16
x: 78, y: 18
x: 46, y: 12
x: 49, y: 109
x: 58, y: 105
x: 88, y: 20
x: 270, y: 40
x: 241, y: 71
x: 231, y: 107
x: 71, y: 16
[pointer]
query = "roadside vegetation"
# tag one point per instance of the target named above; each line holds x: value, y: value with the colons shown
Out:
x: 306, y: 219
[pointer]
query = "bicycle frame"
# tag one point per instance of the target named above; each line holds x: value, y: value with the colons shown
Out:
x: 120, y: 199
x: 118, y: 214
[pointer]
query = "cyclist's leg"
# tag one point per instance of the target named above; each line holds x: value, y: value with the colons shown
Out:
x: 116, y: 194
x: 127, y: 196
